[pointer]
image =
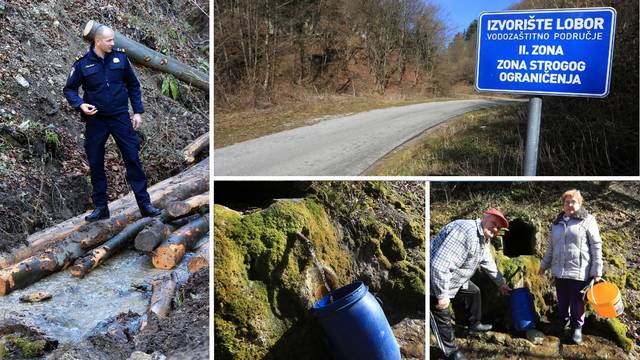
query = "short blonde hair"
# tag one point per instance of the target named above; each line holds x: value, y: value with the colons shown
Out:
x: 574, y: 194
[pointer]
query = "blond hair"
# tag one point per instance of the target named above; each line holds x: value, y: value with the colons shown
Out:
x: 573, y: 193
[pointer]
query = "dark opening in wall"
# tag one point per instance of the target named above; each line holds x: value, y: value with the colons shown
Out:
x: 520, y: 239
x: 241, y: 195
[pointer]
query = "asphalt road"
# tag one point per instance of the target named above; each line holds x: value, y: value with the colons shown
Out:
x: 338, y: 147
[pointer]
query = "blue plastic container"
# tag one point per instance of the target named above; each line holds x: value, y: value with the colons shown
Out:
x: 522, y: 310
x: 355, y: 325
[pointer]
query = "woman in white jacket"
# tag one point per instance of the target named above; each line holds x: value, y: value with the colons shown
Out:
x: 574, y: 255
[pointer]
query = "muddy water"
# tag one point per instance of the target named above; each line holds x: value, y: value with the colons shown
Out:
x: 79, y: 304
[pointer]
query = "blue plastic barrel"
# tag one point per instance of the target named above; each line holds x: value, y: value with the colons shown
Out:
x: 355, y: 325
x: 522, y: 310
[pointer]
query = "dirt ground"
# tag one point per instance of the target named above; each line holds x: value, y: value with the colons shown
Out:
x: 185, y: 330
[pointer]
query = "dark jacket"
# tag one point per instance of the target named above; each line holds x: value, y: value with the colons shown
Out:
x: 108, y: 83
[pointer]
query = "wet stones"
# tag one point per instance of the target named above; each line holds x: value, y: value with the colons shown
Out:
x: 35, y: 297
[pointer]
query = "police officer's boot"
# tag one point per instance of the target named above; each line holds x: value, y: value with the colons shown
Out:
x: 149, y: 210
x: 101, y: 212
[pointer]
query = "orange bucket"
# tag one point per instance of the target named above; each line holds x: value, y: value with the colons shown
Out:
x: 606, y: 300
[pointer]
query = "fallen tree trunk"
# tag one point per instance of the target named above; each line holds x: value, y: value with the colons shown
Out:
x: 97, y: 256
x: 157, y: 232
x: 184, y: 207
x: 191, y: 151
x: 192, y: 181
x: 171, y: 251
x: 152, y: 235
x: 35, y: 268
x: 200, y: 258
x: 163, y: 292
x: 153, y: 59
x: 165, y: 289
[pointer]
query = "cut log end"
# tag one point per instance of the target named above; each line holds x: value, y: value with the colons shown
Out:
x: 78, y: 271
x: 177, y: 209
x: 167, y: 257
x: 87, y: 28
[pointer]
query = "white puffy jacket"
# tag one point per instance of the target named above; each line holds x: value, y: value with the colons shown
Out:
x: 575, y: 247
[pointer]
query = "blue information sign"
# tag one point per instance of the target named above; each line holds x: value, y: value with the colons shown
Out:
x: 564, y: 52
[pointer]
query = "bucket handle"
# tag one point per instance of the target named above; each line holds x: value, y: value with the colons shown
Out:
x: 590, y: 288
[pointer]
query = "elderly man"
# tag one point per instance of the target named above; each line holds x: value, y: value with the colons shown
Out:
x: 456, y: 253
x: 108, y: 81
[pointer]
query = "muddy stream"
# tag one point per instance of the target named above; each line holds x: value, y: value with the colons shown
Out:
x: 78, y: 305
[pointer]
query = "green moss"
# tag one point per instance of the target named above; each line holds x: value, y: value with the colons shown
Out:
x: 376, y: 189
x: 375, y: 243
x: 398, y: 204
x: 612, y: 242
x: 633, y: 282
x: 407, y: 286
x: 619, y: 332
x: 392, y: 246
x: 413, y: 233
x: 522, y: 271
x: 28, y: 348
x: 259, y: 272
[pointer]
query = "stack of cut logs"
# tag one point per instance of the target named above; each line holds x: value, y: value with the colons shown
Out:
x: 178, y: 238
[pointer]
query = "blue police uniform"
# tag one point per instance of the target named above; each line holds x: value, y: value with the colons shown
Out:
x: 109, y: 84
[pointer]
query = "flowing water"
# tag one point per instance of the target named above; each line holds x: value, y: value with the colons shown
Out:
x: 318, y: 265
x: 79, y: 304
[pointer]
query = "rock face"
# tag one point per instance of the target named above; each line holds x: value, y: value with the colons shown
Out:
x: 536, y: 205
x: 266, y: 279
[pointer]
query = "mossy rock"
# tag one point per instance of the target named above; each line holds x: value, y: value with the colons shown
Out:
x: 260, y: 267
x: 376, y: 189
x: 407, y: 286
x: 245, y: 325
x: 513, y: 270
x: 413, y: 233
x: 27, y: 348
x: 614, y: 330
x: 392, y: 246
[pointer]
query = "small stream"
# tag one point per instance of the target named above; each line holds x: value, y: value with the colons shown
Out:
x: 79, y: 304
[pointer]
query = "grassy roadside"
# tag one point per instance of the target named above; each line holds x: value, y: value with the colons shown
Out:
x: 233, y: 127
x: 487, y: 142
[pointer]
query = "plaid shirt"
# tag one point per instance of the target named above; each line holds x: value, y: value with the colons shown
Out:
x: 456, y: 253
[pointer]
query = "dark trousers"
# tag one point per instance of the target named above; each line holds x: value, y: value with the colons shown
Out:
x: 97, y: 131
x: 467, y: 304
x: 570, y: 302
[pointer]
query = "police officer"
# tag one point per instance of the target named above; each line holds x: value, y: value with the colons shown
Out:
x: 108, y: 82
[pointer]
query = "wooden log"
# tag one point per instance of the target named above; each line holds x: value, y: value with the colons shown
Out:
x: 153, y: 59
x: 97, y: 256
x: 190, y: 182
x: 35, y: 268
x: 157, y: 232
x: 171, y: 251
x: 163, y: 292
x: 191, y: 151
x: 184, y: 207
x: 152, y: 235
x: 163, y: 295
x: 200, y: 258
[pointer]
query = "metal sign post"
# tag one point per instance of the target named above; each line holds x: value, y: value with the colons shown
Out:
x: 533, y: 136
x: 557, y: 52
